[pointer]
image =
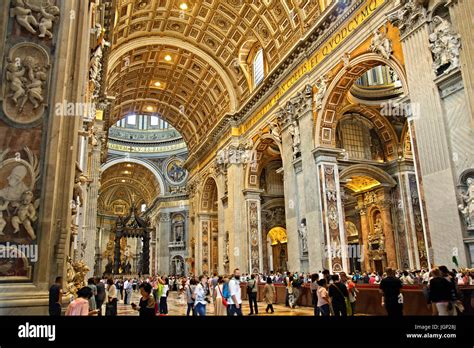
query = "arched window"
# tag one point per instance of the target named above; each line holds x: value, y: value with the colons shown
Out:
x: 258, y: 68
x: 357, y: 136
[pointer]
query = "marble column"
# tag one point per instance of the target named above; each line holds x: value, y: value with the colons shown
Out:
x: 364, y: 230
x: 203, y: 259
x: 390, y: 247
x: 432, y: 151
x: 90, y: 221
x: 163, y: 250
x: 331, y: 212
x: 254, y: 230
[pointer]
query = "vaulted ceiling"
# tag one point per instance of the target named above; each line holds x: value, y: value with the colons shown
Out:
x: 208, y: 43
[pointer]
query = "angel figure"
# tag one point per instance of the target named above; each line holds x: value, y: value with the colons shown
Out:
x: 25, y: 215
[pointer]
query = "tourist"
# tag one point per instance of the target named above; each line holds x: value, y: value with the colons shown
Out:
x: 453, y: 286
x: 111, y: 306
x: 164, y: 297
x: 289, y: 292
x: 220, y: 303
x: 392, y: 298
x: 100, y: 296
x: 128, y: 288
x: 252, y: 291
x: 269, y: 294
x: 189, y: 289
x: 352, y: 290
x: 213, y: 282
x: 338, y: 294
x: 55, y: 297
x: 440, y: 294
x: 235, y: 300
x: 93, y: 287
x: 297, y: 282
x: 406, y: 278
x: 314, y: 292
x: 200, y: 296
x: 80, y: 306
x: 323, y: 298
x: 147, y: 304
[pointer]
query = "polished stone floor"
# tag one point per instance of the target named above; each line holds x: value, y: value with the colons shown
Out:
x: 177, y: 307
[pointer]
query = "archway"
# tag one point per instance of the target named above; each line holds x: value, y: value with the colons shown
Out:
x: 208, y: 250
x: 277, y: 246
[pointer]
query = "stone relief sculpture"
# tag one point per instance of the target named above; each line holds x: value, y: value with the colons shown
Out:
x: 467, y: 208
x: 17, y: 204
x: 445, y: 45
x: 75, y: 276
x: 381, y: 44
x: 33, y: 16
x: 322, y: 86
x: 275, y: 130
x: 295, y: 134
x: 27, y: 73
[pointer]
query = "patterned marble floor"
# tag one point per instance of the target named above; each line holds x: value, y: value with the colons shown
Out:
x: 177, y: 307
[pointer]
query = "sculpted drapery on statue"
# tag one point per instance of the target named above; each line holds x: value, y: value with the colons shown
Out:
x: 467, y: 207
x: 381, y: 44
x: 445, y: 45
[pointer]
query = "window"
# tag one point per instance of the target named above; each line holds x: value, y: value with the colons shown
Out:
x: 132, y: 120
x: 154, y: 121
x: 258, y: 68
x: 353, y: 139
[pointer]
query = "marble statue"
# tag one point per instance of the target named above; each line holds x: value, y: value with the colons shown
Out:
x: 25, y: 215
x: 178, y: 232
x: 467, y: 208
x: 48, y: 16
x: 15, y: 77
x: 275, y: 130
x: 381, y: 44
x: 24, y: 16
x: 3, y: 207
x: 303, y: 232
x: 445, y: 45
x: 16, y: 185
x: 322, y: 86
x: 295, y: 134
x: 378, y: 226
x: 78, y: 190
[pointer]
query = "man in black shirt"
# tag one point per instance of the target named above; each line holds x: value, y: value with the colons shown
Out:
x: 146, y: 308
x: 392, y: 298
x: 338, y: 293
x: 55, y: 294
x: 100, y: 297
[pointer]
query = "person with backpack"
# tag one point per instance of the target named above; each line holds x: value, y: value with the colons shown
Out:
x: 220, y: 303
x: 200, y: 296
x: 226, y: 292
x: 338, y: 294
x: 146, y: 308
x: 252, y: 291
x: 235, y: 299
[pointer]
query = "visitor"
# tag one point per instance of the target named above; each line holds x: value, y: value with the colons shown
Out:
x: 200, y: 296
x: 297, y: 282
x: 189, y: 289
x: 111, y: 306
x: 220, y: 303
x: 365, y: 278
x: 392, y: 298
x: 80, y: 306
x: 146, y: 307
x: 289, y: 291
x: 93, y: 287
x: 213, y: 282
x: 440, y: 294
x: 450, y: 277
x: 323, y: 298
x: 235, y: 300
x: 314, y: 292
x: 327, y: 276
x: 55, y: 297
x: 269, y: 294
x: 164, y: 297
x: 352, y: 290
x: 339, y: 295
x: 406, y: 278
x: 252, y: 291
x: 134, y: 284
x: 128, y: 288
x: 100, y: 296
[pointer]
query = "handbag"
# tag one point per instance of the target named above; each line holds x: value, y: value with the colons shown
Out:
x: 224, y: 301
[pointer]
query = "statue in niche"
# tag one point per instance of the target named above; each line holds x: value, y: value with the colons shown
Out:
x: 381, y: 44
x: 322, y: 86
x: 78, y: 190
x: 25, y: 215
x: 467, y: 208
x: 178, y: 232
x: 378, y: 225
x: 295, y: 134
x: 303, y: 232
x: 445, y: 45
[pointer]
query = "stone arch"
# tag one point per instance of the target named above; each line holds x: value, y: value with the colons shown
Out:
x: 326, y: 120
x: 209, y: 190
x: 261, y: 145
x: 368, y: 170
x: 148, y: 165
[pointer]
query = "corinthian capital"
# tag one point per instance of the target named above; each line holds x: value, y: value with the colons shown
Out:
x: 410, y: 14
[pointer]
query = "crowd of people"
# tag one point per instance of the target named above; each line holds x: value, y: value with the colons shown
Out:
x: 332, y: 294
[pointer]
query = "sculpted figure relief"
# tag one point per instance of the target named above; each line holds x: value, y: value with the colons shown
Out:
x: 295, y: 134
x: 467, y: 209
x: 445, y: 45
x: 34, y: 17
x: 322, y: 86
x: 381, y: 44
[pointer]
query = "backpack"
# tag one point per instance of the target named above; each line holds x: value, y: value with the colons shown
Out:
x: 225, y: 291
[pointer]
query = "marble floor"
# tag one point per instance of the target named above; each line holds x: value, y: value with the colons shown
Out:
x: 177, y: 307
